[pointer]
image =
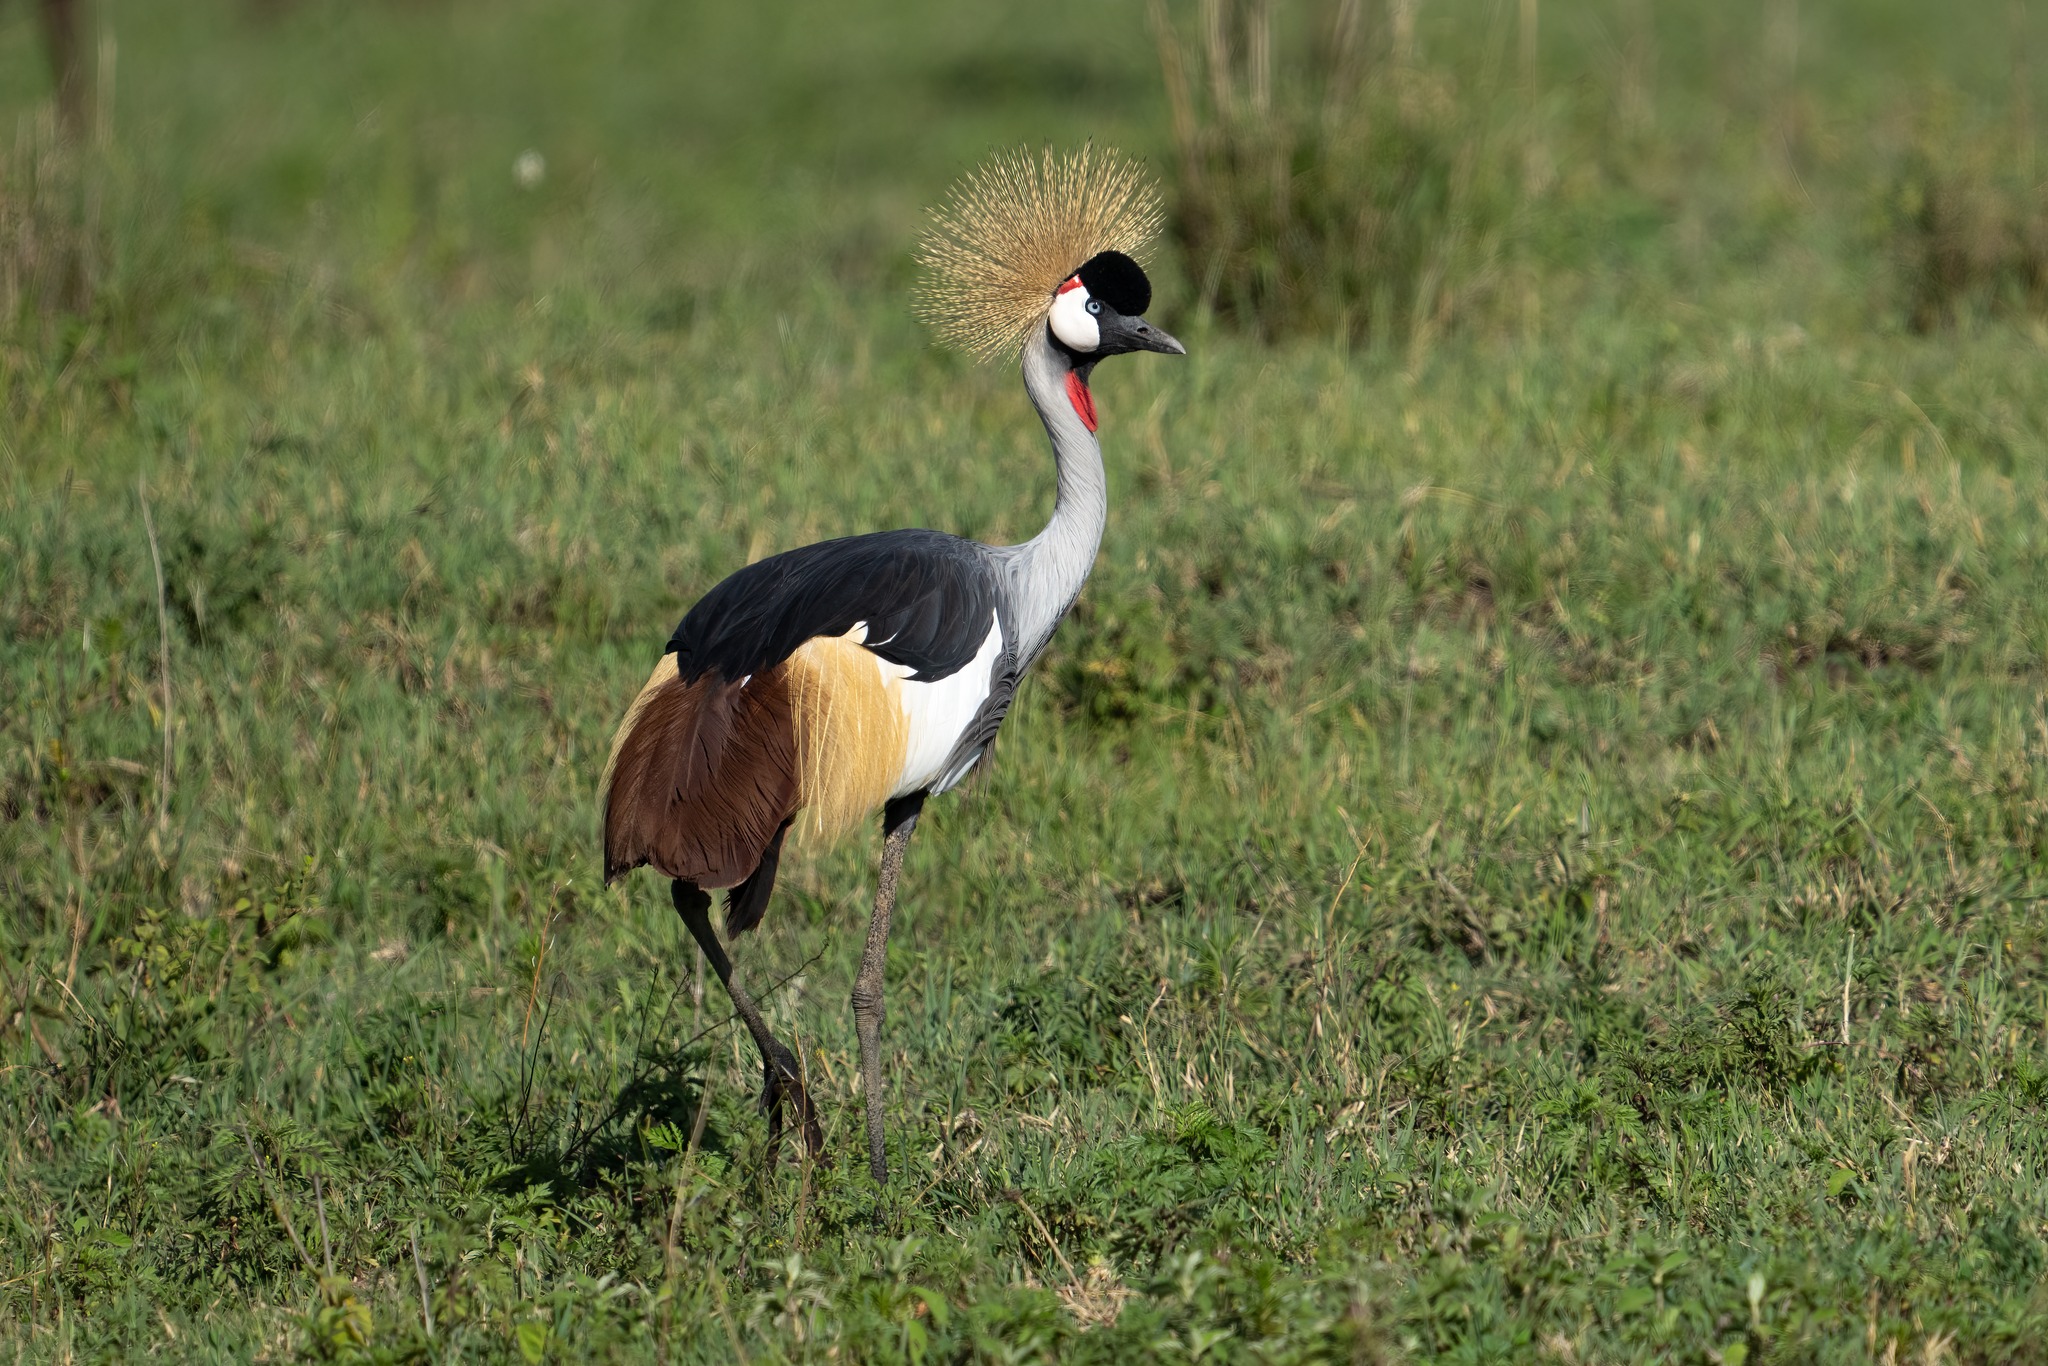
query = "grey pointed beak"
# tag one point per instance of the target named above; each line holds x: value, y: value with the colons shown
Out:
x: 1146, y: 337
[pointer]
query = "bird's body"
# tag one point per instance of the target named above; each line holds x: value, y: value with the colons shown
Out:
x: 818, y: 686
x: 824, y: 681
x: 832, y: 678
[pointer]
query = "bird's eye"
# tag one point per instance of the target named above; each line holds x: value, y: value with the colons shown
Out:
x: 1095, y: 305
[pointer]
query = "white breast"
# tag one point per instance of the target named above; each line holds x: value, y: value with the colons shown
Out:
x: 941, y: 711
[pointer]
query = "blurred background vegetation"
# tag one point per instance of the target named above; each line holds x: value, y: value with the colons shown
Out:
x: 1532, y: 842
x: 1336, y: 167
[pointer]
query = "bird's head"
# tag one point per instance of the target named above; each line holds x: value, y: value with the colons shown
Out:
x: 1039, y: 249
x: 1099, y: 311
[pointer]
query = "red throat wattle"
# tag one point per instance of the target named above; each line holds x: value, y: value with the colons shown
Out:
x: 1083, y: 401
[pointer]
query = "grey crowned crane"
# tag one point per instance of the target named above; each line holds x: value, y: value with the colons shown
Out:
x: 817, y: 686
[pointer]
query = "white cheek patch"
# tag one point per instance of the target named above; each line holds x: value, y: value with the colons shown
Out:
x: 1071, y: 321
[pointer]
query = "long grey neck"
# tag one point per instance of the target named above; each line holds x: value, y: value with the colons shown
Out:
x: 1044, y: 575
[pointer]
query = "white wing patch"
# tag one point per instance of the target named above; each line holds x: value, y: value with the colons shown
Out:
x: 940, y: 712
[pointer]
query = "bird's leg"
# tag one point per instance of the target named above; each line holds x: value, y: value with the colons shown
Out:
x: 899, y: 818
x: 778, y: 1064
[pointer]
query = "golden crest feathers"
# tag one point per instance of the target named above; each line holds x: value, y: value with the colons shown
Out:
x: 1010, y: 231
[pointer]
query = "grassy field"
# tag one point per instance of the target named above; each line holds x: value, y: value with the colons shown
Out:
x: 1533, y: 843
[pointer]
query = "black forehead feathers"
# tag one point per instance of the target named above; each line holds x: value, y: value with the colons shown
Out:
x: 1118, y: 281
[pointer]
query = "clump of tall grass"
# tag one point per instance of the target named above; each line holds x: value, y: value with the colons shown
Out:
x: 1969, y: 230
x: 1327, y: 182
x: 49, y: 235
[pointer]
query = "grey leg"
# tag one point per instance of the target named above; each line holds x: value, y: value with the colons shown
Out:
x: 899, y: 818
x: 778, y: 1064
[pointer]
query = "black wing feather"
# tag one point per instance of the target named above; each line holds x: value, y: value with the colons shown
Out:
x: 926, y: 597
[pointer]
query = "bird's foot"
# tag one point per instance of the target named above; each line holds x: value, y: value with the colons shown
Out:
x: 784, y: 1085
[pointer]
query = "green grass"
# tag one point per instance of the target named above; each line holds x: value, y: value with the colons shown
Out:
x: 1413, y: 909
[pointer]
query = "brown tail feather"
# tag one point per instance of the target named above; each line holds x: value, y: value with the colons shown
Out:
x: 703, y: 776
x: 746, y: 903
